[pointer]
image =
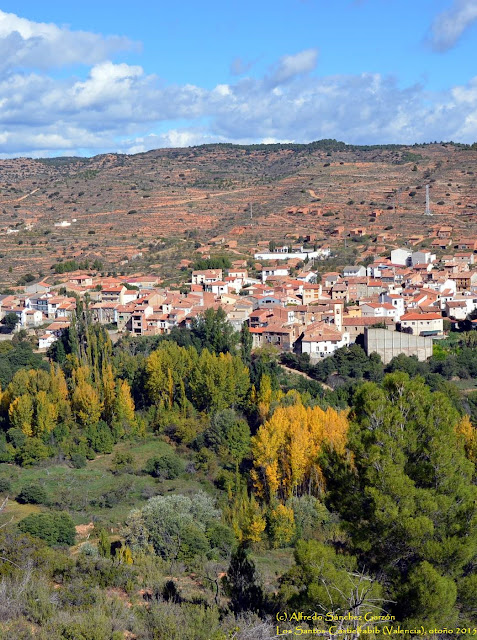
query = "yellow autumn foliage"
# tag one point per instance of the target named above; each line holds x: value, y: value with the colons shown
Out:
x: 286, y: 449
x: 468, y: 433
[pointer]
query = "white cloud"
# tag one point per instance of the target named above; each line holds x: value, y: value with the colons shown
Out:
x: 449, y: 25
x: 289, y: 67
x: 28, y: 44
x: 119, y: 107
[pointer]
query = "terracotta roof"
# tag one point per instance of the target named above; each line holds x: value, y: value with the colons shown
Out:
x: 322, y: 332
x: 421, y: 316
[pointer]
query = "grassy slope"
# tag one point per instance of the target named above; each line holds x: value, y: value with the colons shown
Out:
x: 80, y: 490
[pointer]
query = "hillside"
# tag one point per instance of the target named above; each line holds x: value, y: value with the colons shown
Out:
x: 128, y: 209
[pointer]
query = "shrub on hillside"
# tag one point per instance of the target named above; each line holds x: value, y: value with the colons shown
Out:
x: 5, y: 486
x: 32, y: 494
x: 54, y: 528
x: 166, y: 467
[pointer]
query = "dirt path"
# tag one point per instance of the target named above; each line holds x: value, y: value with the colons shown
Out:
x: 28, y: 194
x: 21, y: 197
x: 304, y: 375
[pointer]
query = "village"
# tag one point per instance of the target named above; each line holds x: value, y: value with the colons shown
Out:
x: 390, y: 305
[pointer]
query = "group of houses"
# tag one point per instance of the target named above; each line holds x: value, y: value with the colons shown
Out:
x: 408, y: 291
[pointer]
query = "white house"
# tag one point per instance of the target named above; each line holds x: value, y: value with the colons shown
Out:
x: 378, y: 310
x: 354, y: 271
x: 423, y: 324
x: 422, y: 257
x: 401, y: 257
x: 458, y: 309
x: 45, y: 341
x: 397, y: 302
x: 206, y: 276
x: 268, y: 272
x: 219, y: 287
x: 321, y: 340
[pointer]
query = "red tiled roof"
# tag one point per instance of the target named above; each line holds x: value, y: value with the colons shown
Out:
x: 421, y: 316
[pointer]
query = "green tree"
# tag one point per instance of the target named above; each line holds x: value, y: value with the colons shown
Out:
x: 32, y: 494
x: 241, y: 583
x: 10, y: 320
x: 172, y: 526
x: 214, y: 331
x: 166, y: 467
x: 407, y: 497
x: 325, y: 581
x: 246, y: 343
x: 229, y: 435
x: 104, y: 544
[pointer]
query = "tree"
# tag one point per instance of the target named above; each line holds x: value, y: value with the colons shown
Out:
x: 281, y: 525
x: 214, y: 331
x: 124, y: 416
x: 104, y: 544
x: 166, y: 467
x: 85, y: 400
x: 172, y: 526
x: 330, y: 583
x: 246, y: 343
x: 404, y: 490
x: 167, y: 371
x: 10, y: 320
x: 229, y: 435
x: 20, y: 414
x: 241, y: 583
x: 32, y: 494
x: 286, y: 448
x: 218, y: 381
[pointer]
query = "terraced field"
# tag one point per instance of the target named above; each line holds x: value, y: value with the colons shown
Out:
x: 119, y: 207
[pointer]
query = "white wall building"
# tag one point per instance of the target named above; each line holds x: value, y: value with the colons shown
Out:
x: 401, y: 257
x: 321, y: 340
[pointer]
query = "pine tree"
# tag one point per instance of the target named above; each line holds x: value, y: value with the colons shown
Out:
x: 246, y: 343
x: 242, y: 585
x: 404, y: 491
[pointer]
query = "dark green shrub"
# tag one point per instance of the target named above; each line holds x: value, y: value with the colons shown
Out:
x: 123, y: 462
x: 167, y: 467
x: 221, y: 538
x: 32, y: 494
x: 78, y: 460
x: 5, y: 486
x: 54, y: 528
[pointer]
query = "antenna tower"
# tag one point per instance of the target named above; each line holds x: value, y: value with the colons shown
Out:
x: 428, y: 208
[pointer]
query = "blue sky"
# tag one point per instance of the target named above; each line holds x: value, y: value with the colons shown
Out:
x: 90, y: 77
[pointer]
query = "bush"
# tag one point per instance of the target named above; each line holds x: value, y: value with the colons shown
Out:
x: 123, y: 462
x: 32, y: 494
x: 5, y: 486
x: 111, y: 498
x: 167, y: 467
x: 78, y: 460
x: 54, y: 528
x: 32, y: 451
x: 221, y: 538
x: 173, y: 525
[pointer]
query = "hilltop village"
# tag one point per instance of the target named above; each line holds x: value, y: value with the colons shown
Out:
x: 284, y: 294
